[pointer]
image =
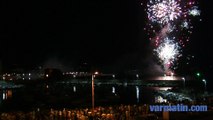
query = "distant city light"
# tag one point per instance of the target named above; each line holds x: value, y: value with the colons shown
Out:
x: 137, y: 75
x: 113, y: 76
x: 198, y: 74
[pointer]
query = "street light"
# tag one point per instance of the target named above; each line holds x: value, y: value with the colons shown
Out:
x: 204, y: 83
x: 184, y: 80
x: 113, y: 76
x: 198, y: 74
x: 93, y: 94
x: 137, y: 76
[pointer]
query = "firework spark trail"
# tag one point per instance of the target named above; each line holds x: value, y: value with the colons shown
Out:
x: 169, y: 18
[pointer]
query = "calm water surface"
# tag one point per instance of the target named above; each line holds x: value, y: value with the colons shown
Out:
x: 59, y: 95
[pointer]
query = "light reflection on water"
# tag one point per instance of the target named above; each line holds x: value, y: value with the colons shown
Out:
x: 5, y: 94
x: 166, y: 78
x: 74, y: 88
x: 161, y: 88
x: 113, y: 89
x: 105, y: 94
x: 137, y: 93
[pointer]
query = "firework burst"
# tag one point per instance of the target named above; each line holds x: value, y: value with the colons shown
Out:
x: 164, y: 11
x: 168, y: 18
x: 168, y: 51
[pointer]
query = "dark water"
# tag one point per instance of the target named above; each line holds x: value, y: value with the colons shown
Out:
x: 59, y: 95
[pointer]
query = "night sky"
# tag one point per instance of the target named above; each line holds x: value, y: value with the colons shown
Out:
x: 106, y: 34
